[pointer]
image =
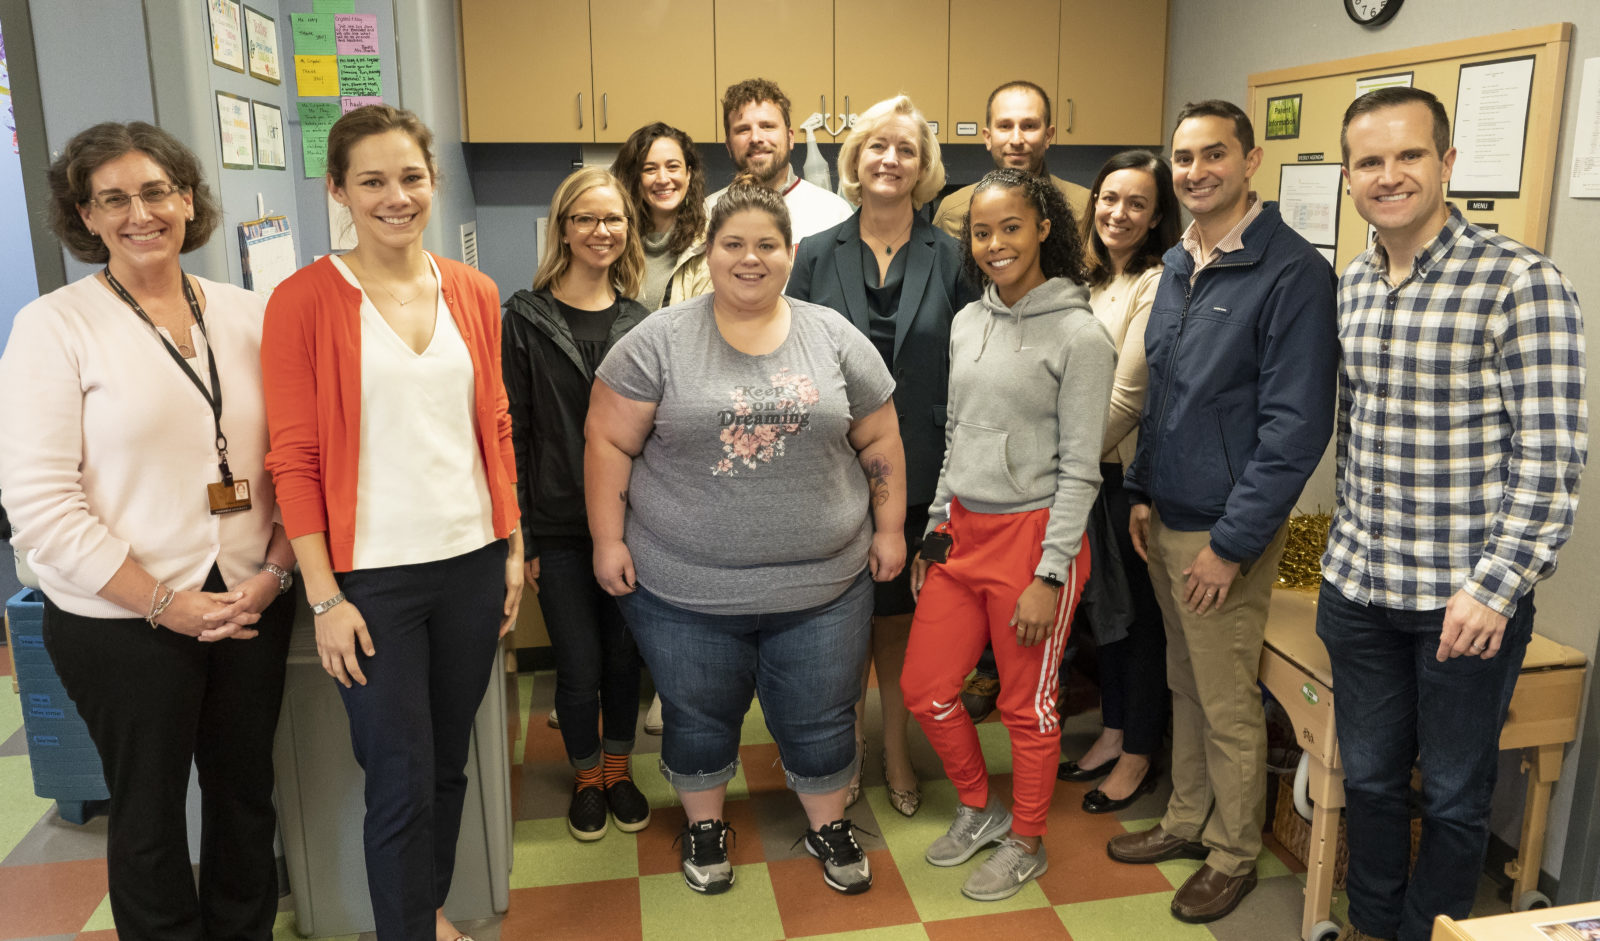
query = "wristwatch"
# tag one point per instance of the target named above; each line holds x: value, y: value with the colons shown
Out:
x: 285, y: 577
x: 323, y: 607
x: 1050, y: 579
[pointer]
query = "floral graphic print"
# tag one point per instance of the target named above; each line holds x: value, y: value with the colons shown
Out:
x: 756, y: 426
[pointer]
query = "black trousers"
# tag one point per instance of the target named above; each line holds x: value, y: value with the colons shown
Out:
x: 154, y: 702
x: 435, y: 627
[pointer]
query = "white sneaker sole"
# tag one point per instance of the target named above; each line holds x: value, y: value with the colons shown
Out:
x: 985, y: 837
x: 710, y: 888
x: 1007, y: 892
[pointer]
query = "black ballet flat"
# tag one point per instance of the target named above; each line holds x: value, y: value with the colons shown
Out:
x: 1096, y: 801
x: 1071, y: 771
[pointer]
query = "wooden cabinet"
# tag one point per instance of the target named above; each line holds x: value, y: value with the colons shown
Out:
x: 883, y: 48
x: 789, y: 42
x: 1113, y: 73
x: 653, y: 62
x: 991, y: 44
x: 525, y: 65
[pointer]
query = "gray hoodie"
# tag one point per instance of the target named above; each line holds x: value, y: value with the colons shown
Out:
x: 1029, y: 389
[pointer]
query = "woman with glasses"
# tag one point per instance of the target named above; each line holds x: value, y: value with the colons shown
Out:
x: 555, y: 337
x: 667, y: 185
x: 133, y: 473
x: 391, y: 450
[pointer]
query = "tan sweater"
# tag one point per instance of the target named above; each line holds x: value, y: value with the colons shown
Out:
x: 953, y: 210
x: 1123, y: 306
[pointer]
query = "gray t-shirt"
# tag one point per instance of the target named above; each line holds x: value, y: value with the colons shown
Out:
x: 748, y: 497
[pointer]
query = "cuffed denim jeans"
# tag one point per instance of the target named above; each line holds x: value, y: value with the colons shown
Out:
x: 806, y: 666
x: 1394, y: 703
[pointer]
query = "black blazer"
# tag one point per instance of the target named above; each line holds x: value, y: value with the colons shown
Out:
x: 827, y: 271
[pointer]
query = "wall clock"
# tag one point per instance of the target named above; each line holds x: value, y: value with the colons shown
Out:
x: 1372, y: 12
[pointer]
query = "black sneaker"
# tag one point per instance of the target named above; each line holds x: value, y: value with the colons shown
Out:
x: 705, y: 856
x: 586, y: 817
x: 630, y: 809
x: 844, y: 865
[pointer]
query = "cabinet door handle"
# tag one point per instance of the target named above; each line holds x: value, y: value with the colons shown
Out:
x: 580, y: 111
x: 605, y: 111
x: 1072, y: 112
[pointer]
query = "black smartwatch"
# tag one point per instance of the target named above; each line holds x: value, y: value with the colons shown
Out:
x: 1051, y: 580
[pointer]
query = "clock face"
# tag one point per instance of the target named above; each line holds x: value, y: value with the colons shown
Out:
x: 1372, y: 12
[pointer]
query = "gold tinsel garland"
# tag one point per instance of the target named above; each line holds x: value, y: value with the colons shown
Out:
x: 1302, y: 553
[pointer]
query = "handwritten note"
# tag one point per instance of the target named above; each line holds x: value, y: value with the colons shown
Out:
x: 348, y: 105
x: 359, y: 75
x: 313, y: 34
x: 317, y: 75
x: 356, y: 34
x: 334, y: 6
x: 316, y: 117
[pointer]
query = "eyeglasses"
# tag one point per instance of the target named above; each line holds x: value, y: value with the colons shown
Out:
x: 117, y: 204
x: 586, y: 223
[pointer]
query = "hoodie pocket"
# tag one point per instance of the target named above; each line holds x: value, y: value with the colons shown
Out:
x: 980, y: 465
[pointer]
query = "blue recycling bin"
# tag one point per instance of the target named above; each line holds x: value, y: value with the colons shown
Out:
x: 66, y: 767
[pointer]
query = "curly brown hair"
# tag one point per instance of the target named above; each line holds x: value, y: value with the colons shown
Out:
x: 1061, y: 253
x: 71, y: 183
x: 629, y: 166
x: 748, y: 92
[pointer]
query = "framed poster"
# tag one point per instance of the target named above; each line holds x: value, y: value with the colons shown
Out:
x: 233, y: 121
x: 261, y: 39
x: 1283, y: 117
x: 269, y: 136
x: 227, y: 41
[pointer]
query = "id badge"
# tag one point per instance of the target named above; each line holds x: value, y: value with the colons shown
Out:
x: 936, y: 546
x: 228, y: 498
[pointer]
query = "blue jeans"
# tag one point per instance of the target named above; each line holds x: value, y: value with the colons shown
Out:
x: 597, y: 662
x: 1395, y: 704
x: 806, y: 665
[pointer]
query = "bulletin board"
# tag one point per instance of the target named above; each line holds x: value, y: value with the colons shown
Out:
x: 1308, y: 102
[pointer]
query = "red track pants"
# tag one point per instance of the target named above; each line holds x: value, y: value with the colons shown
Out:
x: 966, y: 603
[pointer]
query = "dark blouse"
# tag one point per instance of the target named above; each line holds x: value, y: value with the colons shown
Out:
x: 883, y: 299
x: 590, y: 330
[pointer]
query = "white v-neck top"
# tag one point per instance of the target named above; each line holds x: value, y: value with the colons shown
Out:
x: 421, y: 492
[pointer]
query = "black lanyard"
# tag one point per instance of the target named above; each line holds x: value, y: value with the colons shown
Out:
x: 213, y: 396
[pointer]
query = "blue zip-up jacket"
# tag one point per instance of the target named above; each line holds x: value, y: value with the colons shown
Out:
x: 1241, y: 399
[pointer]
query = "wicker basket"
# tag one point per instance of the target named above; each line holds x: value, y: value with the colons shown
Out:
x: 1293, y: 832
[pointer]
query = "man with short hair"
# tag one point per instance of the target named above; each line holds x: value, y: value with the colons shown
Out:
x: 755, y: 124
x: 1463, y: 430
x: 1018, y: 131
x: 1242, y: 354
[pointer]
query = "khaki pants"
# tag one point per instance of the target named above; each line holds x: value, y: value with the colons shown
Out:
x: 1219, y: 738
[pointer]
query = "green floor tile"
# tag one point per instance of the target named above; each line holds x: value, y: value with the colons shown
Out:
x: 1136, y: 916
x: 283, y: 930
x: 10, y: 712
x: 996, y: 741
x: 936, y: 891
x: 22, y: 808
x: 524, y: 704
x: 543, y: 853
x: 891, y: 933
x: 100, y: 919
x: 746, y: 912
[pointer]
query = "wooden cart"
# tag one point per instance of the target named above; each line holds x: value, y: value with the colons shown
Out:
x: 1542, y: 719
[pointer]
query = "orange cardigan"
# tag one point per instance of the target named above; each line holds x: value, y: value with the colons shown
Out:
x: 311, y: 371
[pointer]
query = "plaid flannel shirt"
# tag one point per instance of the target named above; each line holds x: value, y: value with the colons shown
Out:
x: 1462, y: 424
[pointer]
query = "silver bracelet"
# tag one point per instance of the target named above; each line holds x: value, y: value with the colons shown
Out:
x: 285, y: 577
x: 159, y: 607
x: 323, y: 607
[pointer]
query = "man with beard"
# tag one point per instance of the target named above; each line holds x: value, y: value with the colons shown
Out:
x: 755, y: 123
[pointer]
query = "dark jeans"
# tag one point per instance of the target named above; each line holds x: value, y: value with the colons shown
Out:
x: 1133, y: 671
x: 1395, y: 704
x: 435, y: 627
x: 597, y: 661
x: 154, y: 702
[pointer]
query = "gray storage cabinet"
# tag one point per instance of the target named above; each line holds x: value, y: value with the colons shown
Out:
x: 320, y: 804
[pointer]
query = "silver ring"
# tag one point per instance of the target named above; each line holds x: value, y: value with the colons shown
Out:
x: 1477, y: 646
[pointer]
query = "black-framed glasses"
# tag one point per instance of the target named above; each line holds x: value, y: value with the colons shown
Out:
x: 117, y: 204
x: 586, y: 223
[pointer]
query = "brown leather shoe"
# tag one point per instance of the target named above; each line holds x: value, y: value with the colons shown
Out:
x: 1352, y: 933
x: 1209, y: 895
x: 1154, y: 845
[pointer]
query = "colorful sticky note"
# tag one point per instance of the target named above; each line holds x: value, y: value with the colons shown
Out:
x: 313, y: 34
x: 316, y: 117
x: 359, y: 75
x: 334, y: 6
x: 356, y: 34
x: 317, y: 75
x: 347, y: 105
